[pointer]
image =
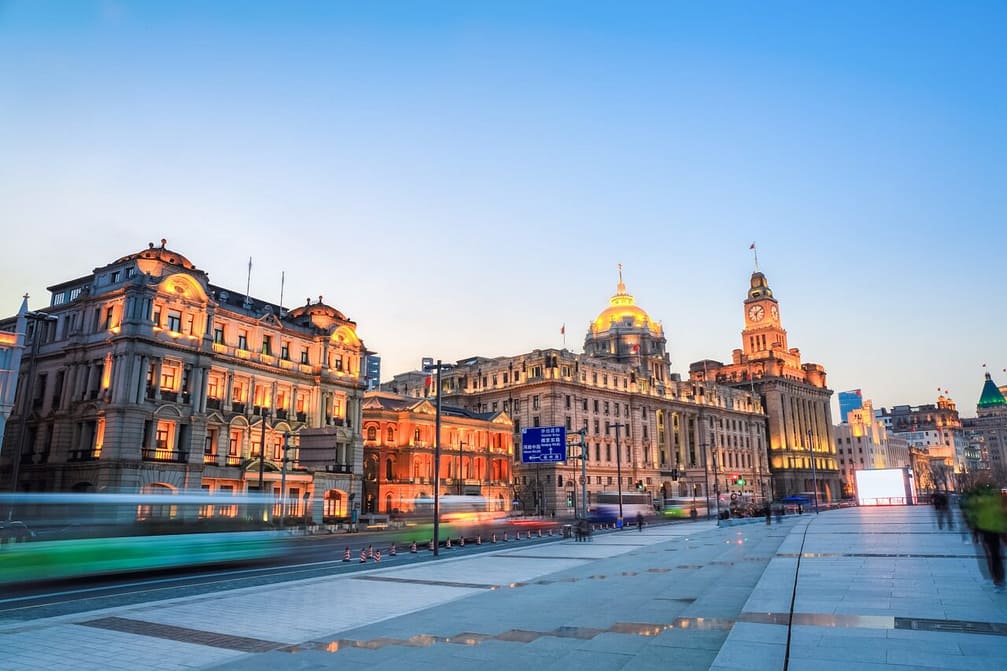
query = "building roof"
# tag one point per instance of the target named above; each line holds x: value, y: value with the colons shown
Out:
x: 991, y: 396
x: 622, y: 311
x: 161, y: 254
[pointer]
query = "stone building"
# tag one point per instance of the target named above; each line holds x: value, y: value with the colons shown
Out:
x: 476, y: 456
x: 648, y: 433
x: 802, y: 451
x: 936, y: 440
x: 988, y: 432
x: 863, y: 443
x: 150, y: 378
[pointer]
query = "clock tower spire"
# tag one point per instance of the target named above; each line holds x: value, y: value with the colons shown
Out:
x: 763, y: 334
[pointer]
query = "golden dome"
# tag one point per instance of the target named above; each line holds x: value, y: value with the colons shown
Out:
x: 623, y: 312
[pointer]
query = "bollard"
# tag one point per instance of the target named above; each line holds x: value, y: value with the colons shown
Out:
x: 412, y: 548
x: 540, y: 533
x: 346, y: 554
x: 447, y: 545
x: 392, y: 552
x: 479, y: 540
x: 377, y: 555
x: 431, y: 545
x: 363, y: 556
x: 461, y: 542
x: 370, y: 551
x: 493, y: 538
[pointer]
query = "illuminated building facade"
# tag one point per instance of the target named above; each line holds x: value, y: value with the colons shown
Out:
x: 662, y: 436
x: 477, y: 453
x: 849, y: 401
x: 150, y: 378
x: 863, y: 442
x: 988, y: 431
x: 802, y: 450
x: 936, y: 440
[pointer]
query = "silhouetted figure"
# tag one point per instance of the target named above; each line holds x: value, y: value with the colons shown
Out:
x: 942, y: 509
x: 639, y: 522
x: 991, y: 523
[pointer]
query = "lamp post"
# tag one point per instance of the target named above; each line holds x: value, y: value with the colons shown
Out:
x: 437, y: 460
x: 706, y: 478
x: 458, y: 474
x: 618, y: 461
x: 262, y: 463
x: 814, y: 470
x: 716, y: 481
x: 287, y: 446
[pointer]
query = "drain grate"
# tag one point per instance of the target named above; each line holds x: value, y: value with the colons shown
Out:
x: 952, y: 626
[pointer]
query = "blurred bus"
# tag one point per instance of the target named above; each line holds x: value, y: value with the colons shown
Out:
x: 682, y: 507
x: 75, y: 534
x: 605, y: 507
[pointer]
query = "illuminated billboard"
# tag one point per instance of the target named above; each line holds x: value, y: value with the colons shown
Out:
x: 885, y: 487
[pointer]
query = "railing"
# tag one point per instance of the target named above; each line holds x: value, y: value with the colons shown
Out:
x: 210, y: 459
x: 281, y: 414
x: 169, y: 395
x: 83, y: 455
x: 238, y: 408
x: 302, y: 417
x: 171, y: 456
x: 232, y: 460
x: 339, y: 468
x: 213, y: 403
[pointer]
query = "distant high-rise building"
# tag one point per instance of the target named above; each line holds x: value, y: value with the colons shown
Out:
x: 373, y: 371
x: 849, y: 400
x: 989, y: 429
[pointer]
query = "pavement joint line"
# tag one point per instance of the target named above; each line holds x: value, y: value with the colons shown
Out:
x: 831, y: 620
x: 183, y: 634
x: 418, y: 581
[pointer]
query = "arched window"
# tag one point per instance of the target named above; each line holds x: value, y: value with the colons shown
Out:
x: 372, y: 433
x: 559, y: 480
x: 388, y: 469
x: 390, y: 435
x: 416, y: 434
x: 388, y: 504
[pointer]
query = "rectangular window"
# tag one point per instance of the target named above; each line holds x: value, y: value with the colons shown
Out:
x: 218, y: 334
x: 174, y: 321
x: 535, y: 402
x: 304, y: 357
x: 169, y: 378
x: 243, y: 340
x: 285, y: 351
x: 267, y: 345
x: 108, y: 318
x: 535, y: 421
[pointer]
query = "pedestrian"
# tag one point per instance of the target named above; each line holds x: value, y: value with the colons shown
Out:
x: 769, y: 515
x: 779, y: 513
x: 991, y: 524
x: 639, y: 521
x: 942, y: 510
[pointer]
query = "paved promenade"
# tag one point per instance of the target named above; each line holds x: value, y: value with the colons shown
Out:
x: 847, y: 589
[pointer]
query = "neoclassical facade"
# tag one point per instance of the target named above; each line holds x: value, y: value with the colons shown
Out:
x: 662, y: 436
x: 400, y: 434
x: 802, y: 450
x: 149, y: 376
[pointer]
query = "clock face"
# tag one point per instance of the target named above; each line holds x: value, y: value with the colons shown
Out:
x: 756, y: 313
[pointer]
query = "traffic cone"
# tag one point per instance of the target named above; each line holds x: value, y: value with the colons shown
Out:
x: 461, y: 542
x: 377, y: 555
x: 517, y: 536
x: 346, y: 554
x: 493, y: 538
x: 540, y: 533
x: 479, y: 540
x: 550, y: 531
x: 412, y: 548
x: 505, y: 537
x: 431, y: 545
x: 370, y: 551
x: 447, y: 545
x: 363, y: 556
x: 392, y: 552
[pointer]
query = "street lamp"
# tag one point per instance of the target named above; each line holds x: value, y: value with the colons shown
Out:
x: 618, y: 461
x: 287, y: 446
x: 437, y: 460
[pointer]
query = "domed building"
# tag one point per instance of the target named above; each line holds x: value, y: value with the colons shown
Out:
x: 623, y: 332
x: 151, y: 379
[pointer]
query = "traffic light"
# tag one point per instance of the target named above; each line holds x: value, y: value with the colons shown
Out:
x: 639, y: 485
x: 569, y: 500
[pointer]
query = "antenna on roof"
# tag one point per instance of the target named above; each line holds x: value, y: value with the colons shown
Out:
x: 283, y: 277
x: 248, y: 283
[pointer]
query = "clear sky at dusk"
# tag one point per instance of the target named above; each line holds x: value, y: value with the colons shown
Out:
x: 463, y: 178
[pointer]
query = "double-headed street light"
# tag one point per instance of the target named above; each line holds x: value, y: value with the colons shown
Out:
x: 618, y: 461
x: 814, y: 470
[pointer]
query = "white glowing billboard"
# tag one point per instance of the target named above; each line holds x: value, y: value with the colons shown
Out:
x: 884, y: 487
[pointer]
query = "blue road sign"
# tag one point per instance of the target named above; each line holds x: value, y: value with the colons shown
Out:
x: 543, y: 444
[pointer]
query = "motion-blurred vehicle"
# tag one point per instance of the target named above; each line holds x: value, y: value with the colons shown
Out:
x: 84, y: 534
x: 681, y: 508
x: 605, y: 507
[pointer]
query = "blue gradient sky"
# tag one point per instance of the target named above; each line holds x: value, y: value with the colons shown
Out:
x: 462, y: 178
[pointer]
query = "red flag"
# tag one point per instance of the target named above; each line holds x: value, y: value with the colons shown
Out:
x: 426, y: 385
x: 562, y: 329
x: 636, y: 348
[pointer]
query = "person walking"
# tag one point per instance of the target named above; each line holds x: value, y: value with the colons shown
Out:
x: 639, y: 522
x: 991, y: 525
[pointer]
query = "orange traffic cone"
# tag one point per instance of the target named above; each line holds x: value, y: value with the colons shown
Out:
x: 377, y: 555
x: 392, y: 552
x: 461, y: 542
x: 346, y: 554
x: 431, y: 545
x: 448, y: 543
x: 493, y: 538
x: 479, y: 540
x: 370, y: 551
x: 363, y: 556
x: 412, y: 548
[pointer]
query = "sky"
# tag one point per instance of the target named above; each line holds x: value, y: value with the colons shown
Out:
x: 463, y: 178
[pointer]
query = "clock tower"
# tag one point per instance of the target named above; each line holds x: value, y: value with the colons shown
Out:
x: 763, y: 332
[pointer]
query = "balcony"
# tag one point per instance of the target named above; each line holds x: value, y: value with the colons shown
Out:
x: 83, y: 455
x: 213, y: 403
x: 302, y: 417
x: 238, y: 407
x: 210, y: 459
x: 232, y: 460
x: 164, y: 456
x: 168, y: 395
x: 281, y: 414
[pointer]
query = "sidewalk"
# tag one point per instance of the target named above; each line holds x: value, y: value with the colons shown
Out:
x: 877, y: 588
